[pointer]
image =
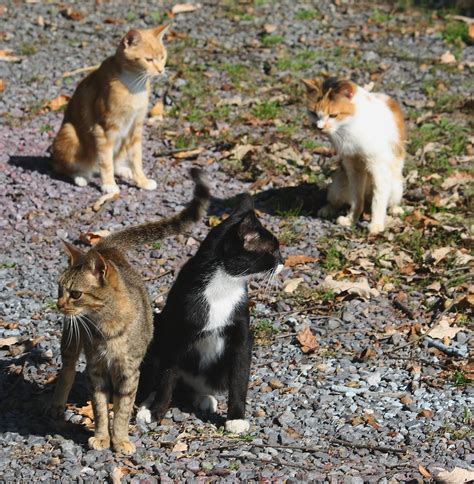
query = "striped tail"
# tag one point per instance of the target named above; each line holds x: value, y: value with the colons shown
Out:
x: 152, y: 231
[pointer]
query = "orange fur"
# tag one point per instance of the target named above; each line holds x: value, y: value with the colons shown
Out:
x: 102, y: 125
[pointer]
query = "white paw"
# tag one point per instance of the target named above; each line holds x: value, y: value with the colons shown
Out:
x: 397, y: 210
x: 124, y: 172
x: 344, y: 221
x: 279, y: 268
x: 80, y: 181
x: 143, y: 416
x: 110, y: 188
x: 375, y: 228
x: 149, y: 184
x: 206, y: 403
x: 237, y: 426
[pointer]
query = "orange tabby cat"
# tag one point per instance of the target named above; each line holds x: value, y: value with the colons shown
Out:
x: 102, y: 126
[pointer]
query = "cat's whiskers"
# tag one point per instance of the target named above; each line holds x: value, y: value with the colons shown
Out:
x: 85, y: 327
x: 67, y: 320
x: 93, y: 324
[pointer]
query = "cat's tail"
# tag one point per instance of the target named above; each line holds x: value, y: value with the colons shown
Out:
x: 152, y: 231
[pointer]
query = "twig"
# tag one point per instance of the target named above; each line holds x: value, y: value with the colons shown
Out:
x: 379, y: 448
x: 272, y: 461
x: 287, y: 335
x: 416, y: 340
x: 163, y: 274
x: 80, y: 70
x: 461, y: 18
x: 445, y: 349
x: 421, y: 360
x: 403, y: 308
x: 293, y: 312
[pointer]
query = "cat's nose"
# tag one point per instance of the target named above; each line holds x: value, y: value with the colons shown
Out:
x: 61, y: 304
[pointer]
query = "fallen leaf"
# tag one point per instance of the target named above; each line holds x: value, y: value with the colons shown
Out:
x: 71, y: 14
x: 157, y: 109
x: 113, y: 21
x: 7, y: 56
x: 241, y: 151
x: 458, y: 178
x: 425, y: 413
x: 2, y: 85
x: 116, y: 475
x: 447, y: 58
x: 444, y: 330
x: 180, y: 447
x: 185, y: 8
x: 360, y: 287
x: 423, y: 471
x: 108, y: 197
x: 269, y: 28
x: 470, y: 32
x: 370, y: 420
x: 439, y: 254
x: 367, y: 354
x: 86, y: 410
x: 406, y: 400
x: 213, y: 221
x: 181, y: 155
x: 307, y: 340
x: 55, y: 104
x: 6, y: 342
x: 91, y: 238
x: 291, y: 285
x: 294, y: 260
x: 358, y: 420
x: 456, y: 476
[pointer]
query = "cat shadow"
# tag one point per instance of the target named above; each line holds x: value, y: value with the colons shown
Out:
x: 306, y: 199
x: 24, y: 402
x: 40, y: 164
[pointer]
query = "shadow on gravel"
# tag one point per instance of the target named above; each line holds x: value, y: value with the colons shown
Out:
x: 304, y: 199
x: 40, y: 164
x: 23, y: 403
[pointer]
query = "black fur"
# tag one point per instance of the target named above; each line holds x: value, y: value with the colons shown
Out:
x: 239, y: 246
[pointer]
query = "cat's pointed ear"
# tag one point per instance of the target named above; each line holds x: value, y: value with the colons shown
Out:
x: 131, y: 38
x: 247, y: 231
x: 74, y: 254
x: 245, y: 204
x: 346, y: 89
x: 161, y: 31
x: 98, y: 265
x: 312, y: 85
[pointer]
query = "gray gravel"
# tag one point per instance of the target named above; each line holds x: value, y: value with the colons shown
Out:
x: 301, y: 402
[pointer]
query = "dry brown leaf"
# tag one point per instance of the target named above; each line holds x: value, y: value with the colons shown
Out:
x: 55, y: 104
x: 456, y: 476
x: 180, y: 447
x: 458, y: 178
x: 92, y: 238
x: 158, y: 109
x: 439, y: 254
x: 425, y: 413
x: 307, y: 341
x: 406, y: 400
x: 423, y: 471
x: 294, y: 260
x: 213, y: 221
x: 86, y: 411
x: 117, y: 474
x: 2, y: 85
x: 291, y: 285
x: 7, y: 56
x: 71, y: 14
x: 269, y: 28
x: 114, y: 21
x: 185, y: 8
x: 367, y: 354
x: 370, y: 420
x: 447, y: 58
x: 358, y: 420
x: 444, y: 330
x: 7, y: 342
x: 241, y: 151
x: 470, y: 32
x: 108, y: 197
x: 360, y: 287
x: 181, y: 155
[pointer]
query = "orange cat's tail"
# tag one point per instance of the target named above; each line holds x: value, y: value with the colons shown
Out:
x: 150, y: 232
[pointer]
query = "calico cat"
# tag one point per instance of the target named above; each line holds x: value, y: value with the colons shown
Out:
x: 202, y: 337
x: 108, y: 315
x: 368, y: 133
x: 102, y: 126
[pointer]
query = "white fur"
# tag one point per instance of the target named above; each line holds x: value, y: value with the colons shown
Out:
x: 237, y: 426
x: 143, y: 415
x: 110, y: 188
x: 80, y: 181
x: 210, y: 348
x: 197, y: 383
x: 206, y: 403
x: 369, y: 136
x: 223, y: 293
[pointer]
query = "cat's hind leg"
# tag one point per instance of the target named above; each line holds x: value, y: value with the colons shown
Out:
x: 135, y: 151
x: 337, y: 195
x: 380, y: 199
x: 396, y: 195
x: 356, y: 181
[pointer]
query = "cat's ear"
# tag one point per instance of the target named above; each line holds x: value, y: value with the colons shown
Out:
x: 132, y: 38
x: 247, y: 232
x: 244, y: 204
x: 74, y: 254
x: 346, y: 89
x: 312, y: 85
x: 161, y: 31
x: 98, y: 265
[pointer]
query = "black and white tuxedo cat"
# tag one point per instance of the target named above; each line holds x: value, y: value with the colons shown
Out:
x: 202, y: 337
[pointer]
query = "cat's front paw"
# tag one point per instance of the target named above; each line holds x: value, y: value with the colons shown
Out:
x: 80, y: 181
x: 110, y: 188
x: 143, y: 416
x: 238, y: 426
x: 397, y: 210
x: 375, y: 228
x: 344, y: 221
x: 206, y: 403
x: 124, y: 447
x: 148, y: 184
x: 124, y: 172
x: 99, y: 443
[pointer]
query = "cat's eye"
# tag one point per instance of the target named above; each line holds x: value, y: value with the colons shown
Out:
x: 149, y: 59
x: 332, y: 116
x: 75, y: 294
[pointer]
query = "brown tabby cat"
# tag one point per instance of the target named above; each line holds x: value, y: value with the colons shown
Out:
x: 102, y: 126
x: 108, y: 314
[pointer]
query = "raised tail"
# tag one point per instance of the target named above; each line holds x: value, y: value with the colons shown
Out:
x: 152, y: 231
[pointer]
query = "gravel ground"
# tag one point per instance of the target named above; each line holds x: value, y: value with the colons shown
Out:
x: 373, y: 401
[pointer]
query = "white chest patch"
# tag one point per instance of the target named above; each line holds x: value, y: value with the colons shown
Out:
x: 209, y: 349
x: 223, y: 293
